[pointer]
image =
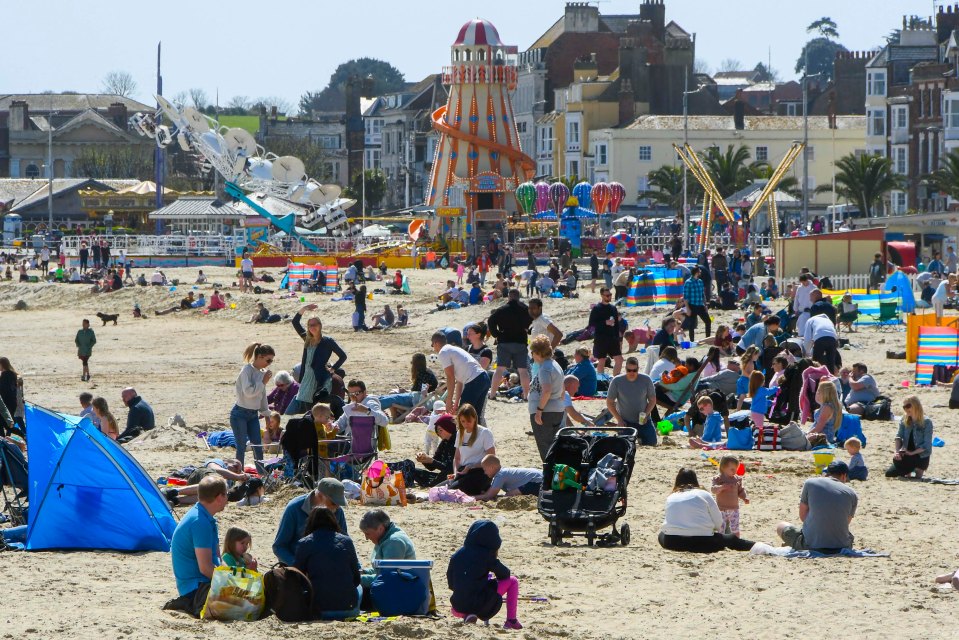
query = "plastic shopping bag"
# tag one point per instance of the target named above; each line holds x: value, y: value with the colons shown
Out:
x: 235, y: 594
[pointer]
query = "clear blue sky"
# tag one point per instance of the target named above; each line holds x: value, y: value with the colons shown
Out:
x: 282, y: 49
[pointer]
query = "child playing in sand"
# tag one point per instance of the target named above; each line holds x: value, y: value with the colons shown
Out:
x: 747, y: 364
x: 512, y: 481
x: 475, y: 595
x: 236, y: 549
x: 713, y: 425
x: 857, y: 464
x: 272, y: 433
x: 728, y: 490
x: 761, y: 396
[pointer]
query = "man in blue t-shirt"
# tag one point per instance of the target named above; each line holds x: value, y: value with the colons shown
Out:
x: 195, y: 547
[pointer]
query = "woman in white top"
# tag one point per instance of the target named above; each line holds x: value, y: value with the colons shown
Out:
x: 473, y: 443
x: 693, y: 520
x: 251, y: 402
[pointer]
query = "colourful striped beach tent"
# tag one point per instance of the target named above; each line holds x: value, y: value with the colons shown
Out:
x: 937, y: 346
x: 328, y: 276
x: 655, y: 287
x: 868, y: 305
x: 297, y: 272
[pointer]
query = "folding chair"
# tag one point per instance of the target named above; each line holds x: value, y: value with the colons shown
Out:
x: 682, y: 390
x: 360, y: 450
x: 300, y: 443
x: 888, y: 318
x: 652, y: 355
x: 426, y: 401
x: 13, y: 478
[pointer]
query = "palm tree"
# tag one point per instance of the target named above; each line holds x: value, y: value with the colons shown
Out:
x: 788, y: 184
x: 865, y: 179
x: 666, y: 187
x: 946, y: 178
x: 730, y: 171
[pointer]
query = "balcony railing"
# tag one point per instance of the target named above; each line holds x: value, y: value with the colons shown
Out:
x: 473, y: 73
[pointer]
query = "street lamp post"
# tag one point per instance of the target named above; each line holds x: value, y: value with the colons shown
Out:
x: 805, y: 136
x: 686, y: 94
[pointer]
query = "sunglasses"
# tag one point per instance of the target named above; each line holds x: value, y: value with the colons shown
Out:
x: 353, y: 394
x: 628, y: 370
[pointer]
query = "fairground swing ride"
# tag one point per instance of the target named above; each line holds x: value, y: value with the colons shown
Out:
x: 275, y: 187
x: 712, y: 200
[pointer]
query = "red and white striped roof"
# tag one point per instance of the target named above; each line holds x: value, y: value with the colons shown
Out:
x: 478, y: 32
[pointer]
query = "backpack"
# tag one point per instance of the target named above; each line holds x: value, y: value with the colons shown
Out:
x: 565, y: 477
x: 878, y: 409
x: 792, y: 438
x: 289, y: 593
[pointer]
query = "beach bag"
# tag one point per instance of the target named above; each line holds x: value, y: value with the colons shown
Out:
x: 739, y: 439
x: 289, y: 593
x: 235, y: 594
x: 398, y: 593
x: 792, y: 438
x: 768, y: 439
x: 382, y: 487
x: 565, y: 477
x: 851, y: 426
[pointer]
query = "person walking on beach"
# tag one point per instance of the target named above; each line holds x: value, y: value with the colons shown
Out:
x: 85, y: 340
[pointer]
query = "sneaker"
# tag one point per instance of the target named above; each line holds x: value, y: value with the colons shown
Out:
x: 513, y: 624
x: 470, y: 619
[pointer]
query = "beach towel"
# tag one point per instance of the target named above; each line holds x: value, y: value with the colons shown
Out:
x: 221, y: 439
x: 445, y: 494
x: 762, y: 549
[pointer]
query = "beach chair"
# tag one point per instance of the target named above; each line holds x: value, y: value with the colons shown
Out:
x: 13, y: 482
x: 426, y: 401
x: 888, y: 317
x: 652, y: 355
x: 357, y: 453
x: 682, y: 391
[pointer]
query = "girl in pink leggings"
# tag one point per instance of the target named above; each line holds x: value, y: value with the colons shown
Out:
x: 479, y: 580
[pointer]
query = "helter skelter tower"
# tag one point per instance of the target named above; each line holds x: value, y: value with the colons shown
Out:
x: 479, y: 161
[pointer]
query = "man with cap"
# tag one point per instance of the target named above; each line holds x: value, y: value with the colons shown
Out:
x: 826, y: 507
x: 329, y: 494
x: 389, y: 542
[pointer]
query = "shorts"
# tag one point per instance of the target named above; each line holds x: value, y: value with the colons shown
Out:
x: 84, y: 359
x: 512, y: 355
x: 607, y: 346
x: 730, y: 520
x: 248, y: 275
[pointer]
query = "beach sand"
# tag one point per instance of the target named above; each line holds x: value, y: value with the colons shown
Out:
x: 186, y: 363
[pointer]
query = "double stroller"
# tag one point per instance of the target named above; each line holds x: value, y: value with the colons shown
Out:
x: 585, y: 477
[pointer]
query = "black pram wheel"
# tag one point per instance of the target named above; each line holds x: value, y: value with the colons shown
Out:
x: 590, y: 535
x: 555, y: 534
x: 624, y: 534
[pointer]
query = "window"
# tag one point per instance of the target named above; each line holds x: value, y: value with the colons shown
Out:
x: 645, y: 153
x: 899, y: 117
x: 642, y: 184
x: 32, y: 171
x: 876, y: 83
x: 877, y: 122
x: 572, y: 168
x: 952, y: 111
x: 521, y: 127
x: 572, y: 133
x: 899, y: 160
x: 328, y: 142
x: 601, y: 154
x: 762, y: 154
x: 898, y: 202
x: 792, y: 109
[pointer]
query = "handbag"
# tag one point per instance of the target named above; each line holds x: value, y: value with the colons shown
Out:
x: 235, y: 594
x: 792, y: 438
x: 382, y: 487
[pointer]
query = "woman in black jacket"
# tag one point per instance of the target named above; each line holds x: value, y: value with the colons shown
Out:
x: 440, y: 464
x: 8, y: 391
x: 329, y: 559
x: 475, y: 596
x: 315, y: 367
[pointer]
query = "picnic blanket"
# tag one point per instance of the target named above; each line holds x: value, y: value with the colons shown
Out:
x: 762, y: 549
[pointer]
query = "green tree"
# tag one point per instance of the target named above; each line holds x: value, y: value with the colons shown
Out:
x: 375, y: 189
x: 730, y: 170
x: 864, y: 180
x: 386, y: 79
x: 946, y: 178
x: 821, y: 50
x: 666, y: 187
x: 825, y: 27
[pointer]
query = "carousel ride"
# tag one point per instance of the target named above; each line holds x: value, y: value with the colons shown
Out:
x: 275, y: 187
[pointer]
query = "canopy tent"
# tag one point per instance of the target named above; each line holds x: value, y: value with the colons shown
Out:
x: 88, y: 492
x: 655, y: 287
x: 869, y: 304
x: 899, y: 284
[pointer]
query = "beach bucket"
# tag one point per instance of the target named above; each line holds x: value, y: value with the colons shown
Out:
x: 664, y: 427
x: 822, y: 457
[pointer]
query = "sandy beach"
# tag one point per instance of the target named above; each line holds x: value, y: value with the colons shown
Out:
x: 187, y: 362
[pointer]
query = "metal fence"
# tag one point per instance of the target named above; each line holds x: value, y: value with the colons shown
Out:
x: 168, y: 245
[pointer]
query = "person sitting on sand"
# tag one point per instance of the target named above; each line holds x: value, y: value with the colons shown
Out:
x: 439, y: 465
x: 389, y: 542
x: 329, y: 494
x: 216, y: 301
x: 158, y: 279
x: 185, y: 304
x: 402, y: 316
x: 827, y: 505
x: 383, y: 320
x: 201, y: 278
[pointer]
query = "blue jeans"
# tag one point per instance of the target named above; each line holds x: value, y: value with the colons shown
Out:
x: 401, y: 399
x: 647, y: 432
x: 475, y: 392
x: 246, y: 427
x: 342, y: 615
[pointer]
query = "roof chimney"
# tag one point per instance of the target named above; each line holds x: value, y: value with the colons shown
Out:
x: 627, y: 103
x: 739, y: 116
x: 19, y: 115
x: 117, y: 114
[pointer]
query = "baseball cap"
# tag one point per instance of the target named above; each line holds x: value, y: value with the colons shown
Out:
x: 837, y: 468
x: 332, y: 489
